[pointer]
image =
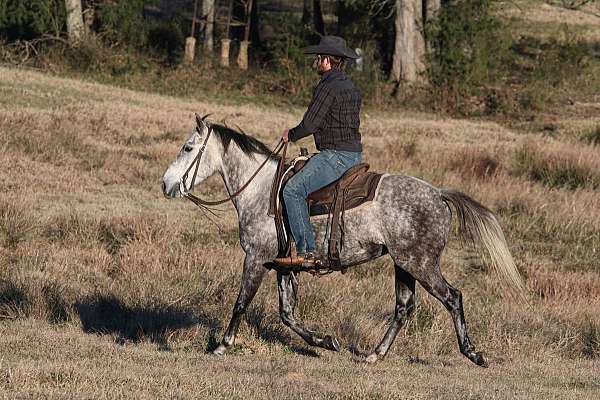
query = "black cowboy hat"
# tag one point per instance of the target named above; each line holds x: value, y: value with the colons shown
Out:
x: 332, y: 46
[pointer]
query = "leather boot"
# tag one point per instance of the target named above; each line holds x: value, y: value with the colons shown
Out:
x: 307, y: 260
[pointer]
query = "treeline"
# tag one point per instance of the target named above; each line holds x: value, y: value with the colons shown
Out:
x: 454, y: 53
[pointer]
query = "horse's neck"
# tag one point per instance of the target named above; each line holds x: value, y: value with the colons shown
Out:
x: 237, y: 168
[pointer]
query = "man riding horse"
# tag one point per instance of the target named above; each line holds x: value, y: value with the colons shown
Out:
x: 333, y: 118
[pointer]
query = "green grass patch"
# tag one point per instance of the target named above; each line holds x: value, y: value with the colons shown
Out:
x: 592, y: 137
x: 553, y: 170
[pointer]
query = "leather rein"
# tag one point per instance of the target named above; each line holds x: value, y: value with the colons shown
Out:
x: 185, y: 191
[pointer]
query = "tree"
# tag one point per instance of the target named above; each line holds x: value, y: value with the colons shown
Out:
x: 312, y: 16
x: 318, y: 17
x: 75, y: 26
x: 307, y: 12
x: 409, y: 49
x: 208, y: 13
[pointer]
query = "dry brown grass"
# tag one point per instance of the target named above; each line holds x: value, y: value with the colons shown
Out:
x: 107, y: 290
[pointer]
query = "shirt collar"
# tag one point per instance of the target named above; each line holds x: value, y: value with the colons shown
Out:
x: 332, y: 74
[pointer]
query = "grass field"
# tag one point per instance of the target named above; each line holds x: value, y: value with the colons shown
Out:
x: 109, y: 290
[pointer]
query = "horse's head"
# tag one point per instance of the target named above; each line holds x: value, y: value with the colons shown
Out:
x: 197, y: 157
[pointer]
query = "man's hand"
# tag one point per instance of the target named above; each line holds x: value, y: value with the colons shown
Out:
x: 285, y: 135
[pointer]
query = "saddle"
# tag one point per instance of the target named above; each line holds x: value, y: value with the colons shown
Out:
x: 356, y: 187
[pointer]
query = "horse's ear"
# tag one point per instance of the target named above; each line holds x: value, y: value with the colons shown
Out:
x: 199, y: 121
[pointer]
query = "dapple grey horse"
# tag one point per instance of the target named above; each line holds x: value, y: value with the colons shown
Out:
x: 408, y: 219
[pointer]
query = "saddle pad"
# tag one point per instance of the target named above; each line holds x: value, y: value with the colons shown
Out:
x: 359, y: 191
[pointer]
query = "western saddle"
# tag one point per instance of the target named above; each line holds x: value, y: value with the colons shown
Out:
x: 355, y: 187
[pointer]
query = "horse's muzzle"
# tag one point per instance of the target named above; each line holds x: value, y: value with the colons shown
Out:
x: 171, y: 192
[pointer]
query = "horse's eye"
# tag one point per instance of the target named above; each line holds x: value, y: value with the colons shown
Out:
x: 187, y: 148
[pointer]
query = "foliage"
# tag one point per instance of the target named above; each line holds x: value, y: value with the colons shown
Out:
x: 285, y: 47
x: 469, y: 45
x: 29, y: 19
x: 368, y: 24
x: 167, y: 38
x: 124, y: 22
x: 289, y: 71
x: 553, y: 60
x: 474, y: 65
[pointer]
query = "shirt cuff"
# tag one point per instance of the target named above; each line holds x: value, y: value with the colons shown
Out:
x: 297, y: 133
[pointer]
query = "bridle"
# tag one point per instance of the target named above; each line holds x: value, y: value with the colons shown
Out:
x: 185, y: 191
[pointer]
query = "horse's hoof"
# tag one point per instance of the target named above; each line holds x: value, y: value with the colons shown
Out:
x: 220, y: 351
x: 331, y: 343
x: 478, y: 359
x: 371, y: 358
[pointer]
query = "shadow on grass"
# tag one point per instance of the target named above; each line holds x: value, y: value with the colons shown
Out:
x: 18, y: 300
x: 106, y: 314
x: 13, y: 300
x: 256, y: 318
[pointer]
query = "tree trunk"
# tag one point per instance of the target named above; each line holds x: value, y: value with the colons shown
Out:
x: 75, y: 27
x: 255, y: 25
x: 344, y: 18
x: 307, y: 12
x: 318, y: 17
x: 208, y: 14
x: 432, y: 8
x: 409, y: 49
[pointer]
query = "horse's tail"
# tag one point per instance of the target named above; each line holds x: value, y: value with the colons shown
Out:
x: 480, y: 225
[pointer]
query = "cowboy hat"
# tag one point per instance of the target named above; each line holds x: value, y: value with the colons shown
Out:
x: 332, y: 46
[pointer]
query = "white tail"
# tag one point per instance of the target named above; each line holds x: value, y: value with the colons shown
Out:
x: 480, y: 225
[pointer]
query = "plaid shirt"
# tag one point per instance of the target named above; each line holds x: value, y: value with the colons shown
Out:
x: 333, y: 115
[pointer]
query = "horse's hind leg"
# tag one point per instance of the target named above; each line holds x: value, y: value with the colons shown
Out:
x: 405, y: 302
x: 428, y: 274
x: 288, y: 288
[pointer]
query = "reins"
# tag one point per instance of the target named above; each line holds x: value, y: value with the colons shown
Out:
x: 196, y: 163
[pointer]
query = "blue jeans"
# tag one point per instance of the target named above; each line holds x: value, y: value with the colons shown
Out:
x: 322, y: 169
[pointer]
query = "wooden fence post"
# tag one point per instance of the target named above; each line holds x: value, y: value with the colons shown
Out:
x: 243, y: 55
x: 225, y: 52
x: 190, y: 41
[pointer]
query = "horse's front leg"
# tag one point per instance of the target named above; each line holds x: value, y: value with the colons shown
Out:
x: 287, y: 285
x: 251, y: 279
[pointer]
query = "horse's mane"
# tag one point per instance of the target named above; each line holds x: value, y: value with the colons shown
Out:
x: 247, y: 144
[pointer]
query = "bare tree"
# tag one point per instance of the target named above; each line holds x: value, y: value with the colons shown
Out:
x: 208, y: 14
x: 318, y: 21
x: 75, y: 26
x: 307, y: 8
x: 409, y: 49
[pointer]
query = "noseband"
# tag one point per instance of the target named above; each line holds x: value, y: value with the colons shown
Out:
x: 185, y: 191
